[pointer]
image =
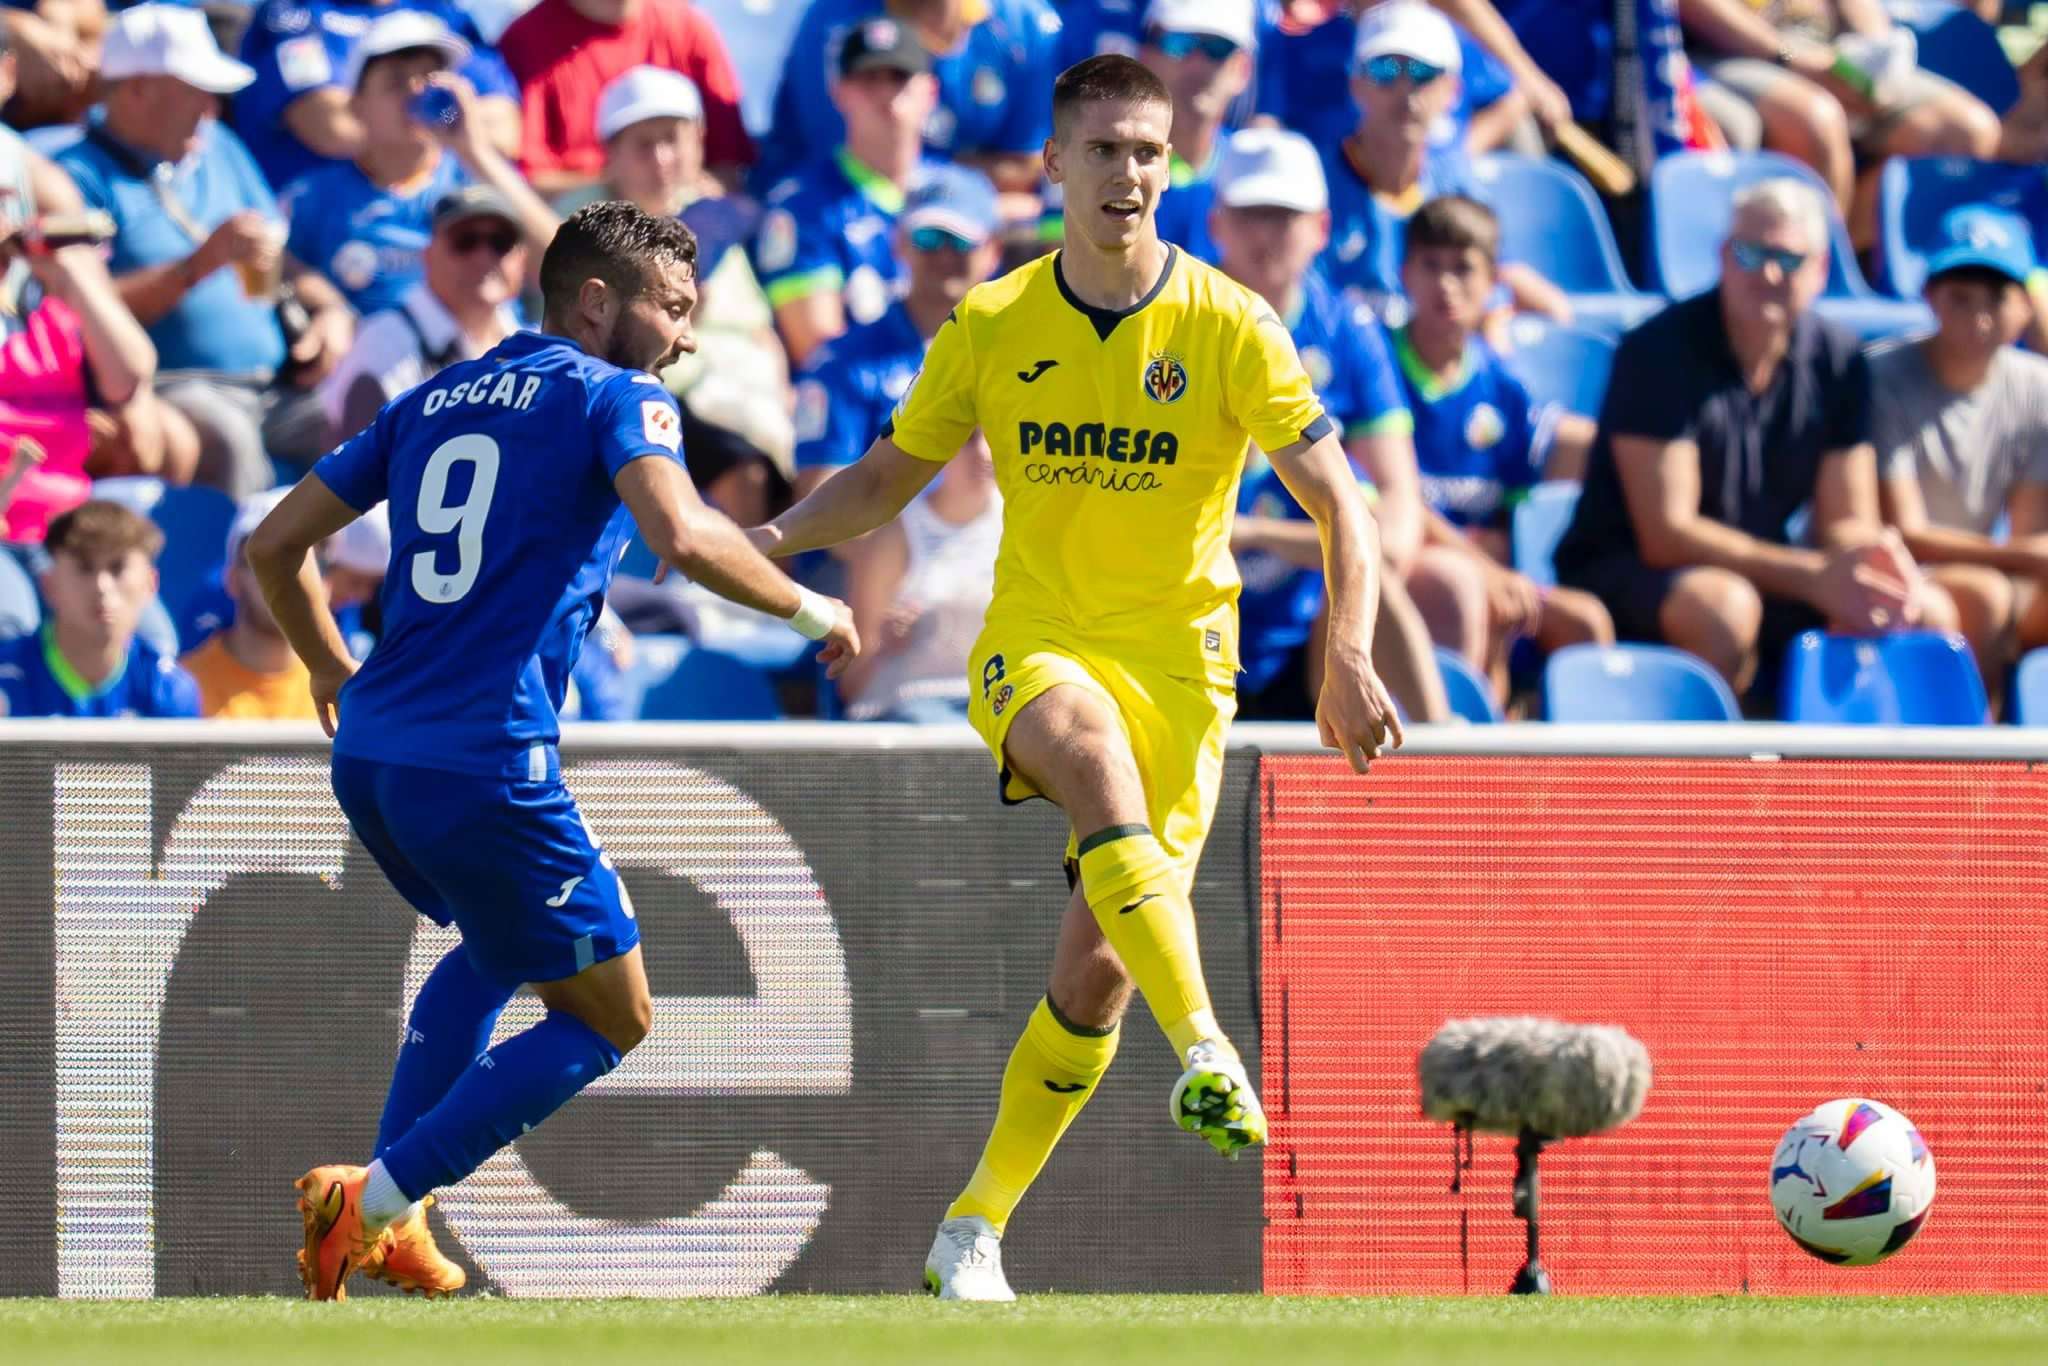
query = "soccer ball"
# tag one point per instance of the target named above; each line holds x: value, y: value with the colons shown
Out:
x: 1852, y: 1182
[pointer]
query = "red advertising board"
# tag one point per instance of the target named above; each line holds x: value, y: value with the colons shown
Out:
x: 1777, y: 933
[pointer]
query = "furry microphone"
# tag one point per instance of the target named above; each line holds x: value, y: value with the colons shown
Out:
x: 1518, y: 1073
x: 1540, y: 1080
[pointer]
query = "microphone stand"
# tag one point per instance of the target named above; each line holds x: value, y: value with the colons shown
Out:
x: 1532, y: 1279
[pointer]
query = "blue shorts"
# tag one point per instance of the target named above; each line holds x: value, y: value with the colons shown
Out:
x: 509, y: 863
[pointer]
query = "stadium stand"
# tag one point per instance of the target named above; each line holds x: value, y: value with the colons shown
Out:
x: 2030, y: 690
x: 710, y: 686
x: 1913, y: 678
x: 1957, y: 44
x: 1538, y: 524
x: 1915, y: 192
x: 1551, y: 221
x: 1471, y: 696
x: 1560, y: 363
x: 1592, y: 683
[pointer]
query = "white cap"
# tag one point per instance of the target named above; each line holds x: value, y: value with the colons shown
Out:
x: 1271, y: 168
x: 646, y: 92
x: 249, y: 515
x: 364, y: 545
x: 1230, y: 19
x: 170, y: 40
x: 400, y: 31
x: 1407, y: 28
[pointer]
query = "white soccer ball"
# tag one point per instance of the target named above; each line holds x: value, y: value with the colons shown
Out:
x: 1852, y: 1182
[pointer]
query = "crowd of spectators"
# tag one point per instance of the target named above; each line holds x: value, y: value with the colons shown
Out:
x: 231, y: 232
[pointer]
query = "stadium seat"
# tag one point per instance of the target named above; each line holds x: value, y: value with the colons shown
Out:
x: 1560, y: 364
x: 1915, y: 678
x: 1471, y: 696
x: 1538, y: 524
x: 2030, y: 690
x: 639, y: 561
x: 1915, y: 192
x: 1960, y: 46
x: 1691, y: 200
x: 1612, y: 683
x: 1551, y: 220
x: 709, y: 686
x: 195, y: 523
x: 655, y: 657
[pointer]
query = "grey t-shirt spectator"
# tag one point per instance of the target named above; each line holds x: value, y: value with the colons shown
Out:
x: 1675, y: 379
x: 1968, y: 451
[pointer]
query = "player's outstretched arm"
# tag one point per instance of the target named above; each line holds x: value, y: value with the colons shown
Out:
x: 866, y: 494
x: 280, y: 557
x: 1355, y: 713
x: 707, y: 546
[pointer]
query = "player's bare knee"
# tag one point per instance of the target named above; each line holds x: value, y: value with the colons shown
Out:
x: 1093, y: 992
x: 1070, y: 746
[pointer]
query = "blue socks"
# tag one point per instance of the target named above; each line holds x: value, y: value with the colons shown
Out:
x: 451, y: 1023
x: 497, y: 1098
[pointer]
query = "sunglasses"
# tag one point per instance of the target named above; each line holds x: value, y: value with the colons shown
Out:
x: 500, y: 242
x: 1180, y: 46
x: 1751, y: 256
x: 938, y: 239
x: 1389, y: 67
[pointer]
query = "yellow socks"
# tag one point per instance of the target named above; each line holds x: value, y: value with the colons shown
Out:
x: 1141, y: 904
x: 1052, y: 1072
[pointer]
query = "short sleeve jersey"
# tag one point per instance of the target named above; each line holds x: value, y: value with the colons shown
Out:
x: 1967, y: 452
x: 36, y: 680
x: 848, y: 387
x: 1475, y: 435
x: 827, y: 230
x: 1119, y: 438
x: 367, y: 239
x: 1675, y: 379
x: 1368, y: 230
x: 505, y: 532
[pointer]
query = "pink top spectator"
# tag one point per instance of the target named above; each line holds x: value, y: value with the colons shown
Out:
x: 42, y: 395
x: 563, y: 60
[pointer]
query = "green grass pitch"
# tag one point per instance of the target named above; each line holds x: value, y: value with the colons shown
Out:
x: 1042, y: 1330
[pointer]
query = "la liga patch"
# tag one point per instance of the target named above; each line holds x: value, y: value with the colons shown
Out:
x: 660, y: 425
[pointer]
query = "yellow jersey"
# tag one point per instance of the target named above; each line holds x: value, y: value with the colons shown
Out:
x: 1118, y: 437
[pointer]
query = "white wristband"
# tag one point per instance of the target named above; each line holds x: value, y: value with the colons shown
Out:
x: 815, y: 615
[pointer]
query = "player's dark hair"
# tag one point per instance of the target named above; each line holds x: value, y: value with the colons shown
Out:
x: 1110, y: 78
x: 1457, y: 222
x: 614, y: 241
x: 101, y: 528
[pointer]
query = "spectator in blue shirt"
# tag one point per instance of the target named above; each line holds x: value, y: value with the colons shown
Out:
x: 1202, y: 51
x: 822, y: 252
x: 994, y: 60
x: 365, y: 223
x: 188, y: 203
x: 299, y: 115
x: 1090, y: 28
x: 87, y: 661
x: 1405, y: 80
x: 947, y: 242
x: 1480, y: 442
x: 1270, y: 220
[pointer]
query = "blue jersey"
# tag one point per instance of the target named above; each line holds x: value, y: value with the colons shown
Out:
x: 1304, y: 79
x: 850, y: 385
x: 1089, y: 28
x: 367, y: 239
x: 995, y: 91
x: 299, y: 46
x: 35, y: 680
x: 828, y: 229
x: 1367, y: 232
x: 1475, y: 436
x: 1183, y: 214
x: 505, y: 531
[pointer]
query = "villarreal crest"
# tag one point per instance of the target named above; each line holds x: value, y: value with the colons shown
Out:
x: 1166, y: 379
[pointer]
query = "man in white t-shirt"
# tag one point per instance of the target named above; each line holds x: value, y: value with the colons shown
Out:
x: 1960, y: 422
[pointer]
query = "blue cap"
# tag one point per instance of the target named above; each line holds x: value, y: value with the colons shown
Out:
x: 1981, y: 236
x: 956, y: 199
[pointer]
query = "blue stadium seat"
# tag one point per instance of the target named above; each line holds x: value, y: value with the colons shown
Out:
x: 1957, y: 44
x: 1539, y: 523
x: 1551, y: 220
x: 2030, y: 690
x: 655, y: 657
x: 1633, y: 683
x: 1915, y: 192
x: 1471, y: 696
x: 1915, y: 678
x: 1691, y: 200
x: 709, y: 686
x: 1559, y: 363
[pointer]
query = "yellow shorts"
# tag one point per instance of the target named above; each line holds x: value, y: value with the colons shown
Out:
x: 1177, y: 726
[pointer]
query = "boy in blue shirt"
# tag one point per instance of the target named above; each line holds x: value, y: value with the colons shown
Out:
x: 1480, y: 443
x: 510, y: 480
x: 87, y: 661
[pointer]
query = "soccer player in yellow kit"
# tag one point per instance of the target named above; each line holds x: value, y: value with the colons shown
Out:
x: 1118, y: 383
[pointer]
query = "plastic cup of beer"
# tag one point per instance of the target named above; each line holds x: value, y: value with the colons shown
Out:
x: 263, y: 277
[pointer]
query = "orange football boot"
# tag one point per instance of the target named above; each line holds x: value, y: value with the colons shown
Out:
x: 331, y: 1203
x: 405, y: 1256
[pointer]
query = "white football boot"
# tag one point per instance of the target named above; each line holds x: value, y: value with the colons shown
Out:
x: 966, y: 1262
x: 1214, y: 1098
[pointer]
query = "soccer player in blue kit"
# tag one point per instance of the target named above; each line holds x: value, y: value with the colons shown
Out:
x: 509, y: 480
